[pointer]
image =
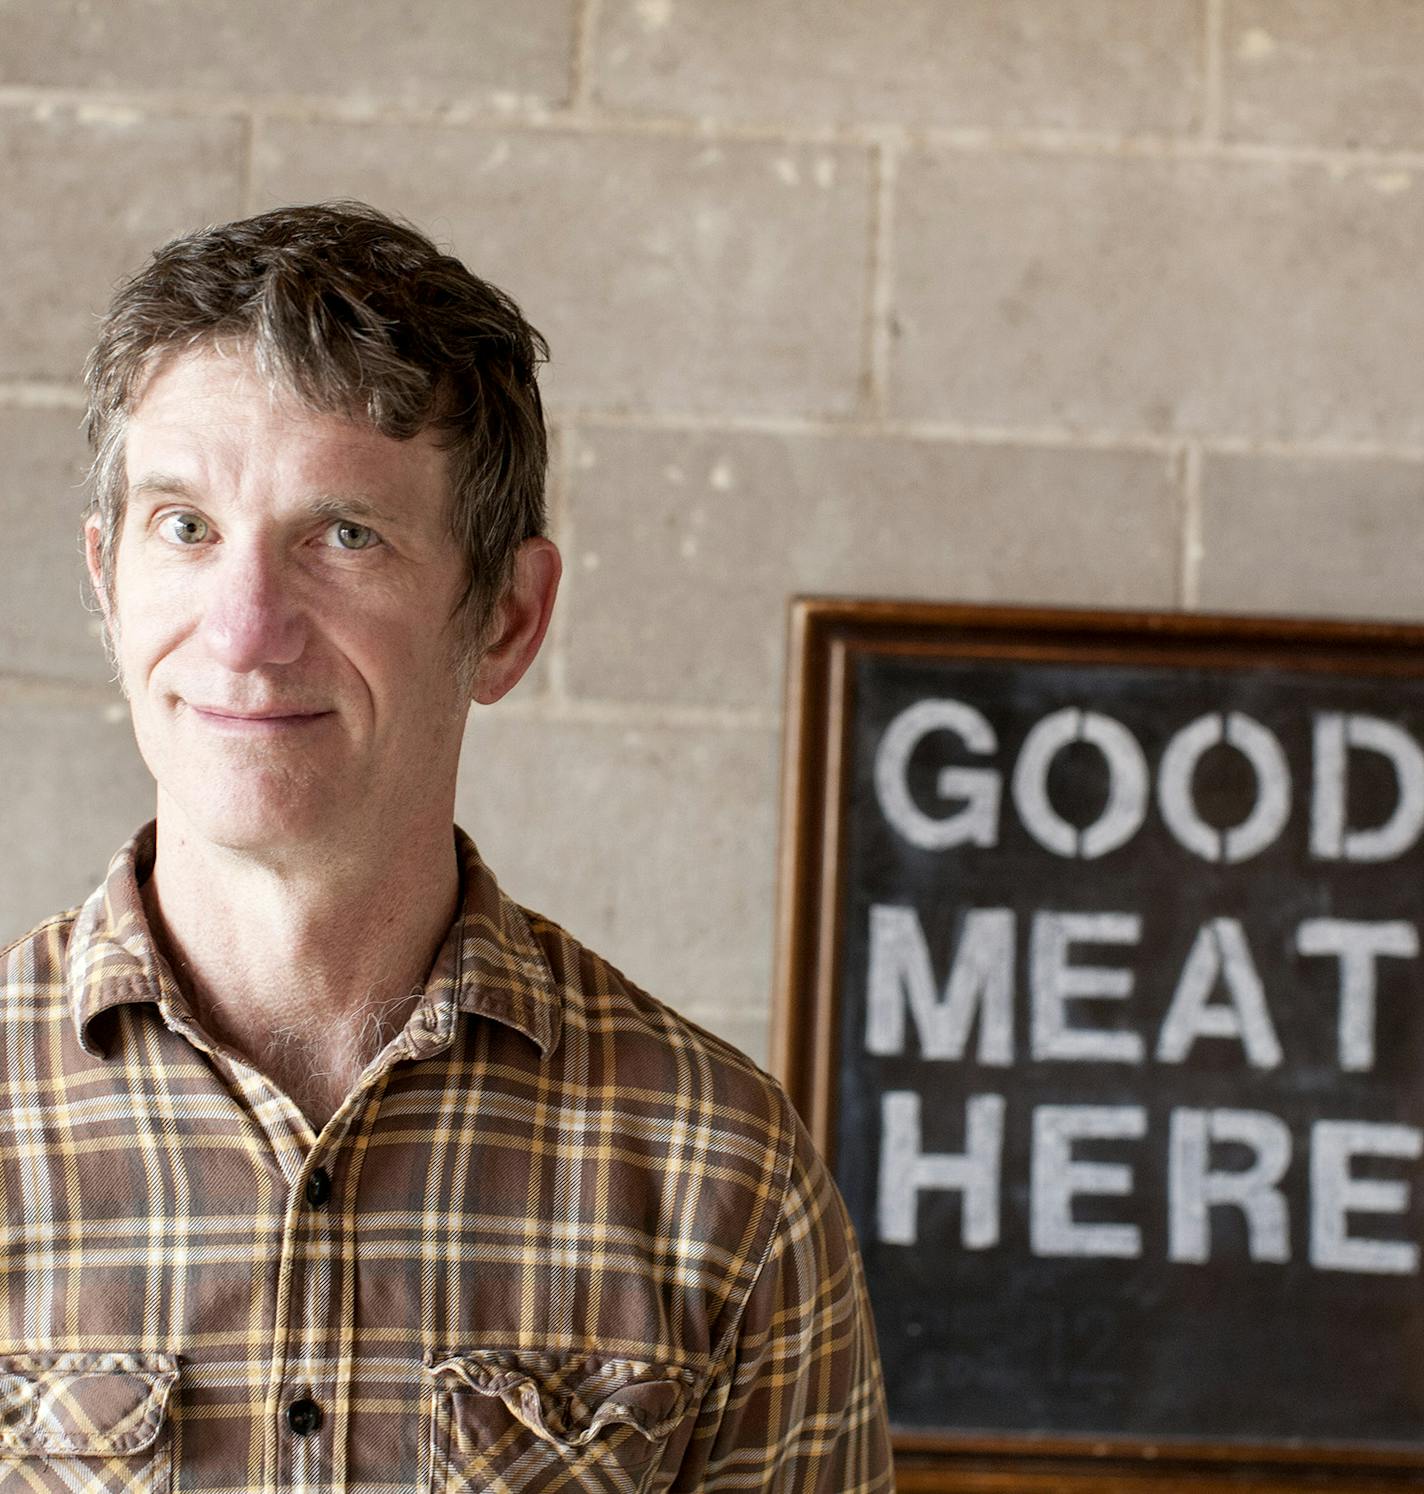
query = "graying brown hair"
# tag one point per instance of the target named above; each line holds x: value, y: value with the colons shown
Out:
x: 360, y: 314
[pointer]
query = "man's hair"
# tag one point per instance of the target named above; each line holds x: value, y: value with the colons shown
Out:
x: 357, y: 314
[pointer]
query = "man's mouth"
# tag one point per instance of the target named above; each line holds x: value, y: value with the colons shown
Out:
x: 268, y: 720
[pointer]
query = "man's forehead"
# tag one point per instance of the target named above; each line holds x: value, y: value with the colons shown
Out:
x: 215, y: 380
x: 223, y: 364
x: 212, y: 410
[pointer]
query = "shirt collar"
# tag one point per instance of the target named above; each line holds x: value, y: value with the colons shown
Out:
x: 489, y: 964
x: 492, y: 960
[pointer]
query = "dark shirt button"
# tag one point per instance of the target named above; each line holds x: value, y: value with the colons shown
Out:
x: 303, y: 1416
x: 318, y: 1187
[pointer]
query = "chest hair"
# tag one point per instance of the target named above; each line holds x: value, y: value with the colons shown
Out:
x: 316, y: 1067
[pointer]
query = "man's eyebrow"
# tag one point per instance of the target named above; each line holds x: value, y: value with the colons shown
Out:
x: 159, y: 485
x: 349, y: 506
x: 322, y: 506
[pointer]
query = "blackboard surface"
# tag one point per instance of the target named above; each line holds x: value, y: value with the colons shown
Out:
x: 1196, y: 1059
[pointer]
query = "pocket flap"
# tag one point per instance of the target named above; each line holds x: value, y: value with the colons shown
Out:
x: 569, y: 1400
x: 89, y: 1405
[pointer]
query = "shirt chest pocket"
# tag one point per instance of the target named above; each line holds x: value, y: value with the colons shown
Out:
x: 543, y: 1422
x: 96, y: 1422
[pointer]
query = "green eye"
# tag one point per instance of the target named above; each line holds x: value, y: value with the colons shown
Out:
x: 354, y: 536
x: 187, y: 529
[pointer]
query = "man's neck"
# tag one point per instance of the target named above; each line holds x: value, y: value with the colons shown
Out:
x: 305, y: 973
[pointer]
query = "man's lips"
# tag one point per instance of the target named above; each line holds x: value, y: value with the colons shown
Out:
x: 254, y: 715
x: 227, y: 719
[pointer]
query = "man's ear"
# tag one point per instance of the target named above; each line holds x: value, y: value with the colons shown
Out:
x: 95, y: 566
x: 521, y: 618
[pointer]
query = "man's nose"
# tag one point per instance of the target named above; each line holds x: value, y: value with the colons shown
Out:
x: 253, y: 615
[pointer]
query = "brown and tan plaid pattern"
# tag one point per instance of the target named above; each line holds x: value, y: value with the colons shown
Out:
x: 571, y: 1241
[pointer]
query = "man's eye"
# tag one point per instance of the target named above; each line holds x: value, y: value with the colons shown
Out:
x: 186, y: 529
x: 354, y: 536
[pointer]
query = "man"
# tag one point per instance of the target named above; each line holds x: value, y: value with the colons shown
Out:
x: 324, y: 1165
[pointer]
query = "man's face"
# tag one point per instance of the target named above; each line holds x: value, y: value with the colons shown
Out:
x: 282, y: 588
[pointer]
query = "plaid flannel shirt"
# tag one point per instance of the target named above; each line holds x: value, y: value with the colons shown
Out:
x: 556, y: 1237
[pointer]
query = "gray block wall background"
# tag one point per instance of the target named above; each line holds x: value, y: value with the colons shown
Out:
x: 1089, y: 302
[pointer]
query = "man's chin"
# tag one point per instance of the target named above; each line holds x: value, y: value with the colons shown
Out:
x: 257, y: 829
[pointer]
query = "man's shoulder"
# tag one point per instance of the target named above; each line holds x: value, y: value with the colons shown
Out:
x: 34, y: 971
x: 639, y: 1044
x: 39, y: 953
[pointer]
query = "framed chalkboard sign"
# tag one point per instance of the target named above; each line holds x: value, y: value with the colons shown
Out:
x: 1099, y: 983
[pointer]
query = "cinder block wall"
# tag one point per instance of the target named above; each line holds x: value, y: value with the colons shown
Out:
x: 1095, y: 302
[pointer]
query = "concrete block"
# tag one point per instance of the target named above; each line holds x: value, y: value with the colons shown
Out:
x: 1343, y: 537
x: 74, y: 789
x: 91, y: 195
x: 687, y: 546
x: 1092, y: 65
x: 656, y: 846
x: 1269, y: 299
x: 666, y: 273
x: 44, y: 629
x: 426, y: 56
x: 1334, y: 73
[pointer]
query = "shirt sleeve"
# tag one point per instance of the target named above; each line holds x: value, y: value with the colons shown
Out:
x: 803, y: 1400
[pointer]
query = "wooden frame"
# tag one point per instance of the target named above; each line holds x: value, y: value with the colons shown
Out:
x: 827, y: 638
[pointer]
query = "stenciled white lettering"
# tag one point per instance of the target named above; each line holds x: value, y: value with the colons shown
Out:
x: 981, y: 979
x: 1336, y: 1192
x: 977, y: 792
x: 1268, y: 815
x: 1357, y: 946
x: 1055, y: 1179
x: 1329, y: 839
x: 906, y: 1170
x: 1226, y: 1170
x: 1054, y: 983
x: 1220, y: 954
x: 1194, y: 1188
x: 977, y: 822
x: 1126, y: 805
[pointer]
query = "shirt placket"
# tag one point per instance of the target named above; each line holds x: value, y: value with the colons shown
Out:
x: 307, y: 1409
x: 304, y: 1415
x: 313, y: 1348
